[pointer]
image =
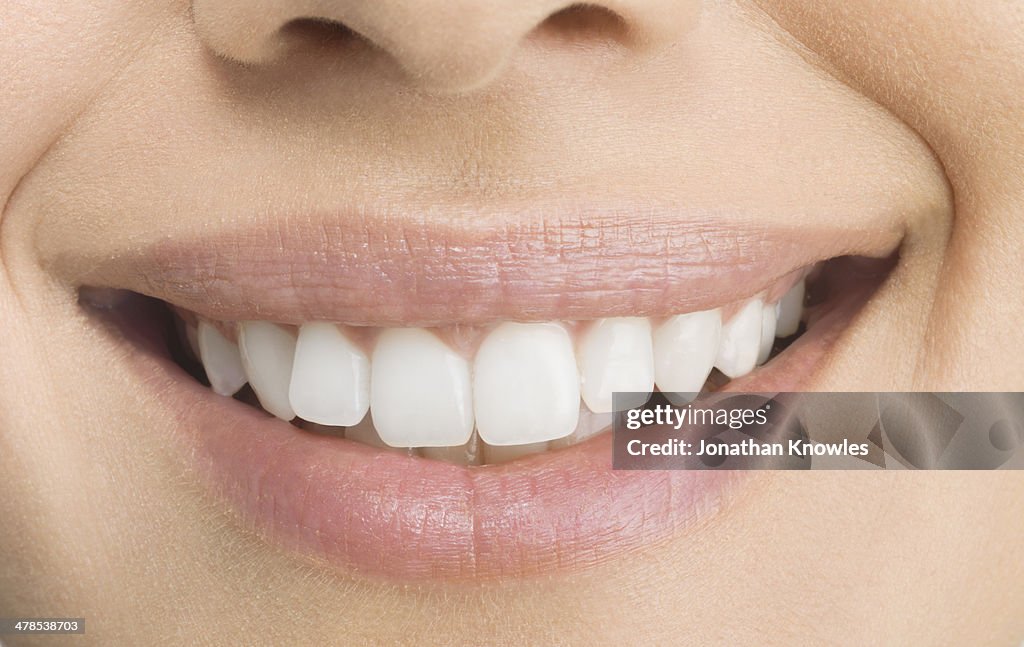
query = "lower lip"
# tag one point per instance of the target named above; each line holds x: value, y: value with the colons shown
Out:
x: 384, y: 514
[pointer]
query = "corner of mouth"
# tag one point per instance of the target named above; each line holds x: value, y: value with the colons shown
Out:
x: 362, y: 431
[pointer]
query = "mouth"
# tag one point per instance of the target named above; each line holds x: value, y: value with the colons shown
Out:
x: 435, y: 403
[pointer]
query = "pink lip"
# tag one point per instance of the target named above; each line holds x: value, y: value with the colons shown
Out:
x: 384, y: 514
x: 397, y: 272
x: 379, y: 513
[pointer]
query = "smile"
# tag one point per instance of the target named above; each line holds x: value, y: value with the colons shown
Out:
x: 476, y: 395
x: 449, y: 392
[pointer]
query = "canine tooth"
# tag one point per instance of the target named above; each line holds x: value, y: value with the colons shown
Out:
x: 790, y: 310
x: 615, y: 355
x: 685, y: 347
x: 526, y: 387
x: 330, y: 381
x: 741, y: 340
x: 221, y: 359
x: 421, y: 393
x: 767, y: 333
x: 505, y: 453
x: 267, y: 354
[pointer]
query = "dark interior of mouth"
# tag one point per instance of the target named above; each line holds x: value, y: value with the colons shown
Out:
x: 154, y: 327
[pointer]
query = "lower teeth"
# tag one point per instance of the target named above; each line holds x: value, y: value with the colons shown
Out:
x: 475, y: 451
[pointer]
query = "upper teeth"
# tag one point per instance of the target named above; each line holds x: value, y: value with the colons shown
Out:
x: 330, y: 380
x: 522, y: 386
x: 741, y: 341
x: 222, y: 360
x: 526, y: 388
x: 420, y: 389
x: 686, y: 347
x: 789, y: 310
x: 268, y: 353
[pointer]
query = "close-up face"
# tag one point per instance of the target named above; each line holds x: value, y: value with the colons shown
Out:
x: 312, y: 312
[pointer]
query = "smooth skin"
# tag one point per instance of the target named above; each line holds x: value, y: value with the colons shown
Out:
x: 129, y: 122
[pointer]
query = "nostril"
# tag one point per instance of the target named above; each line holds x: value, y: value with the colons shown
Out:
x: 452, y: 48
x: 583, y: 22
x: 320, y: 33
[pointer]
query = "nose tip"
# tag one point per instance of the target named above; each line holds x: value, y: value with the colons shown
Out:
x: 442, y: 45
x: 459, y: 47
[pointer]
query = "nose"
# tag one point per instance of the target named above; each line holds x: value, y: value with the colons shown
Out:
x: 442, y: 45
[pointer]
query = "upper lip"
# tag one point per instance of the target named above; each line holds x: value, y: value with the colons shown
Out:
x: 413, y: 518
x: 402, y: 271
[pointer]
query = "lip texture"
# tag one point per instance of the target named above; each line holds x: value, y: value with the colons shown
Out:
x: 407, y: 518
x: 397, y: 271
x: 386, y: 514
x: 383, y: 514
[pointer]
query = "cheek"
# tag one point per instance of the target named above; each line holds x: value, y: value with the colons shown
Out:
x: 953, y: 72
x: 55, y: 62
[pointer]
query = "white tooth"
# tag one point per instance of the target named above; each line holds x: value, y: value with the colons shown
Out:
x: 330, y: 381
x: 767, y: 333
x: 192, y: 336
x: 791, y: 308
x: 221, y: 359
x: 267, y: 354
x: 421, y: 391
x: 616, y: 355
x: 685, y: 347
x: 505, y: 453
x: 741, y: 340
x: 526, y: 387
